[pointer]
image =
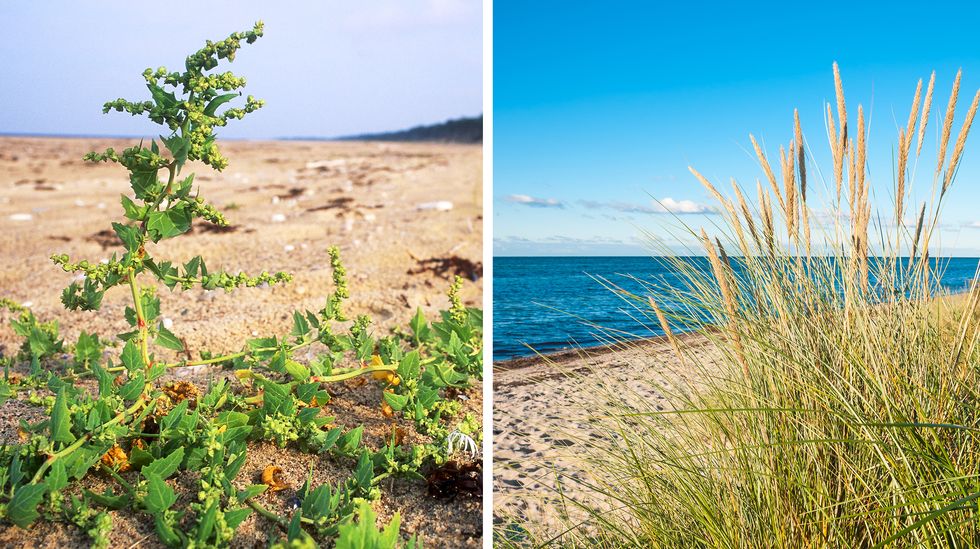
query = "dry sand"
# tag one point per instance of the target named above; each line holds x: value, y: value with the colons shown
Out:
x: 287, y: 202
x: 541, y: 420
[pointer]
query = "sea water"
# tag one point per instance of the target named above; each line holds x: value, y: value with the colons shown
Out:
x: 545, y: 304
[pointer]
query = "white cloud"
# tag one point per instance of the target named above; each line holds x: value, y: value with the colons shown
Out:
x: 534, y: 202
x: 669, y: 205
x: 974, y: 225
x: 663, y: 206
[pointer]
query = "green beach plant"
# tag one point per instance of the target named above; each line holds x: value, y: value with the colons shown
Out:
x: 128, y: 420
x: 839, y: 406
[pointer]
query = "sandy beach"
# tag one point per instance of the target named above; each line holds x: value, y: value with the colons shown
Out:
x: 541, y: 418
x: 286, y: 203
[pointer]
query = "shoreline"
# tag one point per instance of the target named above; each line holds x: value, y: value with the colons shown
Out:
x: 567, y: 355
x: 564, y: 356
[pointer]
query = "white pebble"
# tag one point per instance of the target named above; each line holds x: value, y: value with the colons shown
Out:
x: 289, y: 247
x: 255, y: 333
x: 21, y: 217
x: 100, y: 205
x: 80, y: 203
x: 441, y: 205
x: 189, y: 371
x: 28, y: 304
x: 168, y: 323
x: 275, y: 199
x: 278, y: 218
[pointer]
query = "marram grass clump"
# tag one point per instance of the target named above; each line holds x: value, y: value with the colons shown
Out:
x: 843, y: 407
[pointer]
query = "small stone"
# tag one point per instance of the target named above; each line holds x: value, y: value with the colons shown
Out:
x: 441, y: 206
x: 289, y: 247
x: 189, y: 371
x: 21, y: 217
x: 278, y: 218
x: 168, y: 323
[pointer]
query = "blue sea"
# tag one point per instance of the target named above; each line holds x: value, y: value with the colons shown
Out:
x: 554, y: 303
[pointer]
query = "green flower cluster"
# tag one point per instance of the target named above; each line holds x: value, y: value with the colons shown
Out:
x: 190, y: 108
x: 11, y: 305
x: 93, y: 271
x: 135, y: 159
x: 229, y: 281
x: 97, y: 524
x: 200, y: 208
x: 333, y: 309
x: 207, y: 57
x: 456, y: 310
x: 279, y: 428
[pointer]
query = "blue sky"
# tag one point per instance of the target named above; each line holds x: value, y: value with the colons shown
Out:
x: 599, y: 107
x: 325, y: 68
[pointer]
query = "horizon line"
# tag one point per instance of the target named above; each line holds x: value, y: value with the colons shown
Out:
x: 344, y: 137
x: 651, y: 256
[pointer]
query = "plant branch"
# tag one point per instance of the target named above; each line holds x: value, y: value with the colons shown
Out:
x: 280, y: 520
x: 140, y: 318
x: 140, y: 402
x: 353, y: 374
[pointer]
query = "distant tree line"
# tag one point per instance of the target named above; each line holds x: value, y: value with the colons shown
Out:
x: 459, y: 130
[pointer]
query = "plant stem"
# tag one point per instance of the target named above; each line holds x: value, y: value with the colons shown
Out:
x: 281, y: 521
x: 260, y: 509
x: 166, y: 192
x: 214, y: 360
x: 134, y: 286
x: 122, y: 482
x: 140, y: 318
x: 232, y: 356
x: 140, y: 402
x: 353, y: 374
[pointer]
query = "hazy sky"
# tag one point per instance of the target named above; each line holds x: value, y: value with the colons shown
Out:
x: 599, y: 107
x: 325, y: 68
